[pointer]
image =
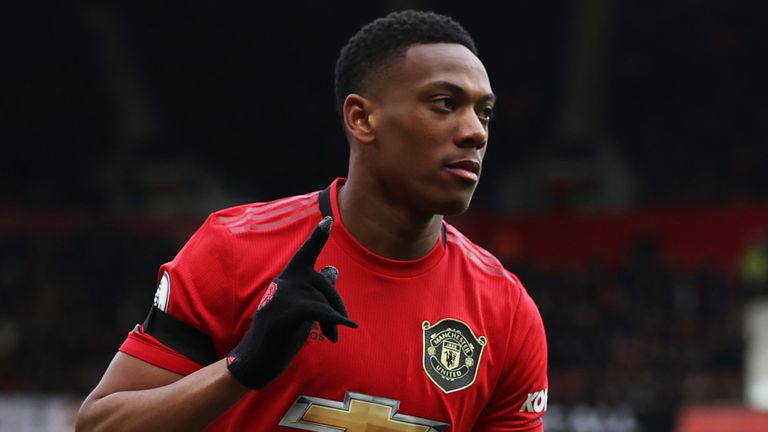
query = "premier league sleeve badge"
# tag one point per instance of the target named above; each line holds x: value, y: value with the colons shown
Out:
x: 452, y: 354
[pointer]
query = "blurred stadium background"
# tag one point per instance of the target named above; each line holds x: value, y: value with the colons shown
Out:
x: 625, y: 183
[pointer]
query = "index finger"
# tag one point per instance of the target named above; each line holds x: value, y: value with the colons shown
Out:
x: 310, y: 250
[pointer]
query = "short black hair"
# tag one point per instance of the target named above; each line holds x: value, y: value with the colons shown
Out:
x: 381, y: 40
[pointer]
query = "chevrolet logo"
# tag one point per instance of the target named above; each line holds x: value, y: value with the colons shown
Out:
x: 358, y: 413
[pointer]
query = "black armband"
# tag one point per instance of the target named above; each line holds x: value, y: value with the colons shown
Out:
x: 180, y: 336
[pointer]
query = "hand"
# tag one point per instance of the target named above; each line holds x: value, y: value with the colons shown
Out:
x: 282, y: 322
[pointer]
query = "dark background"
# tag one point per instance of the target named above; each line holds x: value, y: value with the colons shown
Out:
x: 124, y: 124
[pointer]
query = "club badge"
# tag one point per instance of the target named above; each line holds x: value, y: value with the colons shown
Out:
x: 452, y: 354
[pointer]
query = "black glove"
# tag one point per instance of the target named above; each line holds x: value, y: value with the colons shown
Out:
x: 282, y: 322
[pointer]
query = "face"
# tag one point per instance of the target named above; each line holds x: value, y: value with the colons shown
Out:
x: 429, y: 115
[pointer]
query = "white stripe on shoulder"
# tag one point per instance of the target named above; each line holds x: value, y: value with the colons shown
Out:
x: 481, y: 254
x: 494, y: 270
x: 267, y: 226
x: 261, y: 208
x: 273, y: 214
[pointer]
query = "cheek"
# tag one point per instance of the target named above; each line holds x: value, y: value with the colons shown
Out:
x: 411, y: 143
x: 406, y: 138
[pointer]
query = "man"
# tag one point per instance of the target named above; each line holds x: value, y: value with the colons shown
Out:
x: 432, y: 333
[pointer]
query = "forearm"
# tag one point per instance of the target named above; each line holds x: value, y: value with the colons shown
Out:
x: 190, y: 403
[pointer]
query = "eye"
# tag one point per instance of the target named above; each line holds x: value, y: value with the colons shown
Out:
x: 486, y: 114
x: 444, y: 103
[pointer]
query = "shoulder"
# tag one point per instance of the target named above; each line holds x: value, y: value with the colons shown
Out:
x: 231, y: 248
x: 482, y: 266
x: 263, y: 216
x: 231, y: 226
x: 483, y: 263
x: 230, y: 234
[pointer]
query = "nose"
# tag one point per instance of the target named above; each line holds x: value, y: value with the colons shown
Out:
x: 472, y: 132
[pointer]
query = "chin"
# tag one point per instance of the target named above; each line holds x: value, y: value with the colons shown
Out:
x: 441, y: 199
x: 452, y: 207
x: 456, y: 209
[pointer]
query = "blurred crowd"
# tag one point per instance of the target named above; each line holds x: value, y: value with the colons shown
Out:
x: 678, y: 114
x: 67, y: 301
x: 642, y: 335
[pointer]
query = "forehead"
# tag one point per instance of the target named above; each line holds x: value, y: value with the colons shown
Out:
x: 424, y: 64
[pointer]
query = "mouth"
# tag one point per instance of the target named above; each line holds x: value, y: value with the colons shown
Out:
x: 467, y: 169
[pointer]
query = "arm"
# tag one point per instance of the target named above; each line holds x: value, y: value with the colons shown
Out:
x: 134, y: 395
x: 520, y: 398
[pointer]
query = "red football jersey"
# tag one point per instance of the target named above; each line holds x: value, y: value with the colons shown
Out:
x: 450, y: 341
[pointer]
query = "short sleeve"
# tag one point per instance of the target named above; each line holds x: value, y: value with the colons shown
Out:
x: 194, y: 290
x: 520, y: 397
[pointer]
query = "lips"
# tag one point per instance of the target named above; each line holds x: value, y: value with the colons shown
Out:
x: 468, y: 169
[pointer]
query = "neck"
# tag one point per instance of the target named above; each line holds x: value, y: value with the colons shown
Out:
x: 384, y: 227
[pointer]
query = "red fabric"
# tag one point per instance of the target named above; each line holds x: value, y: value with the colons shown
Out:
x: 220, y: 276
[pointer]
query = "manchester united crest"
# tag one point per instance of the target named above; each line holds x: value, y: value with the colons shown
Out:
x: 452, y: 354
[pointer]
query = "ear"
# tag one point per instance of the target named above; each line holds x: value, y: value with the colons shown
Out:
x: 357, y: 118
